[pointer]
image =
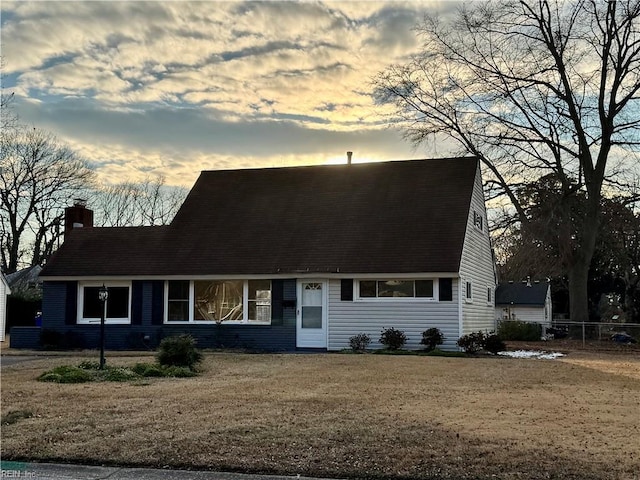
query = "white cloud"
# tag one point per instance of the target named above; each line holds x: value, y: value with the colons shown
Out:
x: 141, y: 77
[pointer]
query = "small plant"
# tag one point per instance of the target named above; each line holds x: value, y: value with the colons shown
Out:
x: 393, y: 339
x: 472, y: 342
x: 179, y: 351
x: 120, y: 374
x: 494, y: 344
x: 360, y: 342
x: 148, y: 370
x: 431, y: 338
x: 66, y: 374
x: 89, y: 365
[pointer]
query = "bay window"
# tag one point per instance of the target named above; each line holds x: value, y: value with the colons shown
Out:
x: 217, y: 301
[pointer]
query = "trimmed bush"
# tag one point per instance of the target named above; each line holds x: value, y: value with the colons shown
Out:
x: 360, y: 342
x: 431, y: 338
x: 393, y: 339
x: 516, y: 330
x: 494, y: 344
x: 179, y: 351
x: 472, y: 342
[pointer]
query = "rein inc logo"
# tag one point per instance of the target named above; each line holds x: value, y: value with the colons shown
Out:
x: 15, y: 470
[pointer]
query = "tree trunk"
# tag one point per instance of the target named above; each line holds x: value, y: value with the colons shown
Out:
x: 578, y: 295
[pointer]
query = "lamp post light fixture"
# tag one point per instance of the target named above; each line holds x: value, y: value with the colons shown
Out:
x: 103, y: 294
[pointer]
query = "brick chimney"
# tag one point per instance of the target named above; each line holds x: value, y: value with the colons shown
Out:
x: 77, y: 216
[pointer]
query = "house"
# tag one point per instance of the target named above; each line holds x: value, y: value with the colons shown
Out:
x: 288, y: 258
x: 526, y: 301
x: 4, y: 292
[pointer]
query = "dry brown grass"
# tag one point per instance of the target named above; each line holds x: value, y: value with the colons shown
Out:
x: 344, y: 416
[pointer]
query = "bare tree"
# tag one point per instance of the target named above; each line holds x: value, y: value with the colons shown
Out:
x: 532, y: 88
x: 150, y: 202
x: 38, y: 178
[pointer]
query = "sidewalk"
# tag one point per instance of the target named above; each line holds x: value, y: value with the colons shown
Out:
x: 53, y: 471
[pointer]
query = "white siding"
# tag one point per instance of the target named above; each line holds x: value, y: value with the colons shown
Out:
x: 477, y: 267
x: 524, y: 314
x: 348, y: 318
x: 4, y: 291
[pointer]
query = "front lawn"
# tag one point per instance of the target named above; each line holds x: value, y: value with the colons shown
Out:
x: 361, y: 416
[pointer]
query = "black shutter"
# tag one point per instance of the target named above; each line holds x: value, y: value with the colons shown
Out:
x: 157, y: 302
x: 136, y: 302
x: 346, y: 289
x: 446, y: 289
x: 277, y: 296
x: 71, y: 303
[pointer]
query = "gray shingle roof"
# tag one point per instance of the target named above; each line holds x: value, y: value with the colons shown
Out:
x: 389, y: 217
x: 521, y: 294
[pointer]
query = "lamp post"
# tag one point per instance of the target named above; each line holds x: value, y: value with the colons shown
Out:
x: 103, y: 294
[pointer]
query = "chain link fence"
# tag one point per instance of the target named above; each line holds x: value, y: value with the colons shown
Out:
x: 620, y: 333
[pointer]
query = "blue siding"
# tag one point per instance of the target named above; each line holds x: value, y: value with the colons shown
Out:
x: 25, y: 337
x: 57, y: 307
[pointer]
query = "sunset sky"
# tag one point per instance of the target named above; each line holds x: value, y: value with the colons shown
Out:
x: 176, y: 87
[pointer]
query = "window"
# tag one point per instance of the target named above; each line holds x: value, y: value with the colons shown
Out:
x: 396, y: 289
x: 178, y: 301
x: 259, y: 301
x: 469, y: 292
x: 117, y: 306
x: 235, y: 301
x: 218, y: 300
x: 477, y: 220
x: 489, y: 296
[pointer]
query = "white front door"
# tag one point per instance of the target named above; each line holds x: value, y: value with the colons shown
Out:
x: 312, y: 314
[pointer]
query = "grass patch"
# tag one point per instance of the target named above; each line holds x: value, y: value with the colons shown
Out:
x: 89, y: 371
x: 343, y: 416
x: 14, y: 416
x: 436, y: 352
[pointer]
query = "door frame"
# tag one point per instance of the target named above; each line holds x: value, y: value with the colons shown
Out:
x: 321, y: 339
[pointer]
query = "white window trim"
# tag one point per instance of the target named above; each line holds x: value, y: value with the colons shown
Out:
x: 468, y: 283
x: 80, y: 320
x: 193, y: 321
x: 491, y: 300
x: 434, y: 298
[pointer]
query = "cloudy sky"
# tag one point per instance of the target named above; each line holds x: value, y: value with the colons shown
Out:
x: 173, y: 88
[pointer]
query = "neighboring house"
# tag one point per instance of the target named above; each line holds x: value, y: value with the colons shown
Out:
x: 527, y: 302
x: 26, y: 282
x: 4, y: 291
x: 286, y: 258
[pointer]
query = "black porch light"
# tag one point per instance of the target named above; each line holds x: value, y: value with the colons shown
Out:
x: 103, y: 294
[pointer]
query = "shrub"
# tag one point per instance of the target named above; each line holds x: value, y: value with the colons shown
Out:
x: 120, y: 374
x: 431, y: 338
x: 89, y: 365
x: 494, y: 344
x: 360, y: 342
x: 66, y: 374
x: 179, y: 351
x: 472, y: 342
x: 517, y: 330
x: 393, y: 339
x: 148, y: 370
